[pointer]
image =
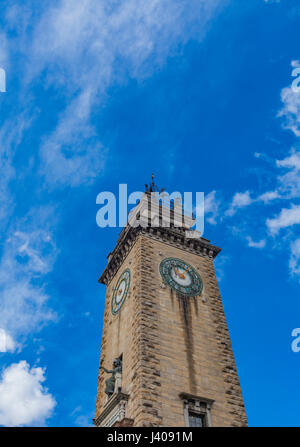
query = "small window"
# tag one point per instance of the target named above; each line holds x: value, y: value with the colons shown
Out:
x: 196, y: 420
x: 196, y: 410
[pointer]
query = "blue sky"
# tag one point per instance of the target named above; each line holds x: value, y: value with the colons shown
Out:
x: 102, y: 93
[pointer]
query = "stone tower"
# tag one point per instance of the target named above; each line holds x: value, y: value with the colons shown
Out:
x: 166, y: 356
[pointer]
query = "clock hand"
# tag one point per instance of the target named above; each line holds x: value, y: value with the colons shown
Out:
x: 180, y: 275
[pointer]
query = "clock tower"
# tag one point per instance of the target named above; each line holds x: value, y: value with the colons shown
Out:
x: 166, y: 356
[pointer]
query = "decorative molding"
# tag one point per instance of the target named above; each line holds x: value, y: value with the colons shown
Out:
x: 168, y: 235
x: 198, y: 398
x: 126, y: 422
x: 117, y: 402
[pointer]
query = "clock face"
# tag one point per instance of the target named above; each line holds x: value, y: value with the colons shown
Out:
x: 120, y: 292
x: 181, y: 276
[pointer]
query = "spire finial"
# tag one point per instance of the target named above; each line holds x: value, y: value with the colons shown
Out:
x: 152, y: 184
x: 152, y: 187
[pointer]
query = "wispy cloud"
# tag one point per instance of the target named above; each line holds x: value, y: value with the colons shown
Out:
x: 294, y: 262
x: 11, y: 134
x: 71, y: 155
x: 257, y: 244
x: 268, y: 197
x: 211, y: 207
x: 240, y: 200
x: 4, y: 51
x: 83, y: 48
x: 27, y: 257
x: 220, y: 266
x: 82, y: 420
x: 289, y: 182
x: 286, y: 218
x: 284, y: 196
x: 290, y: 112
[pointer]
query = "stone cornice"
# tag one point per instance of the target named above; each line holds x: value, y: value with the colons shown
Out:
x: 172, y: 236
x: 110, y: 405
x: 187, y: 396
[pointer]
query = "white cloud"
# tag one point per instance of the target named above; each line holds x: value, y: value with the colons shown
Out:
x: 289, y: 183
x: 244, y: 199
x: 240, y: 200
x: 290, y: 112
x: 27, y: 257
x: 11, y: 134
x: 258, y: 244
x: 286, y: 189
x: 81, y: 49
x: 295, y: 63
x: 23, y: 398
x: 286, y: 218
x: 211, y: 207
x: 220, y: 266
x: 86, y: 47
x: 86, y: 38
x: 291, y: 162
x: 4, y: 51
x: 7, y: 344
x: 294, y: 262
x: 269, y: 196
x: 70, y: 154
x: 82, y: 420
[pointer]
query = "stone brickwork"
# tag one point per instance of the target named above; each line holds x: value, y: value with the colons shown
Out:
x: 170, y: 344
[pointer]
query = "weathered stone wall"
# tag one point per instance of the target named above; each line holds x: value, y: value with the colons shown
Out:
x: 170, y: 344
x: 195, y: 349
x: 120, y: 332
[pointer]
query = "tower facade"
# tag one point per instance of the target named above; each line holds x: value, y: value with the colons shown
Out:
x: 166, y: 356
